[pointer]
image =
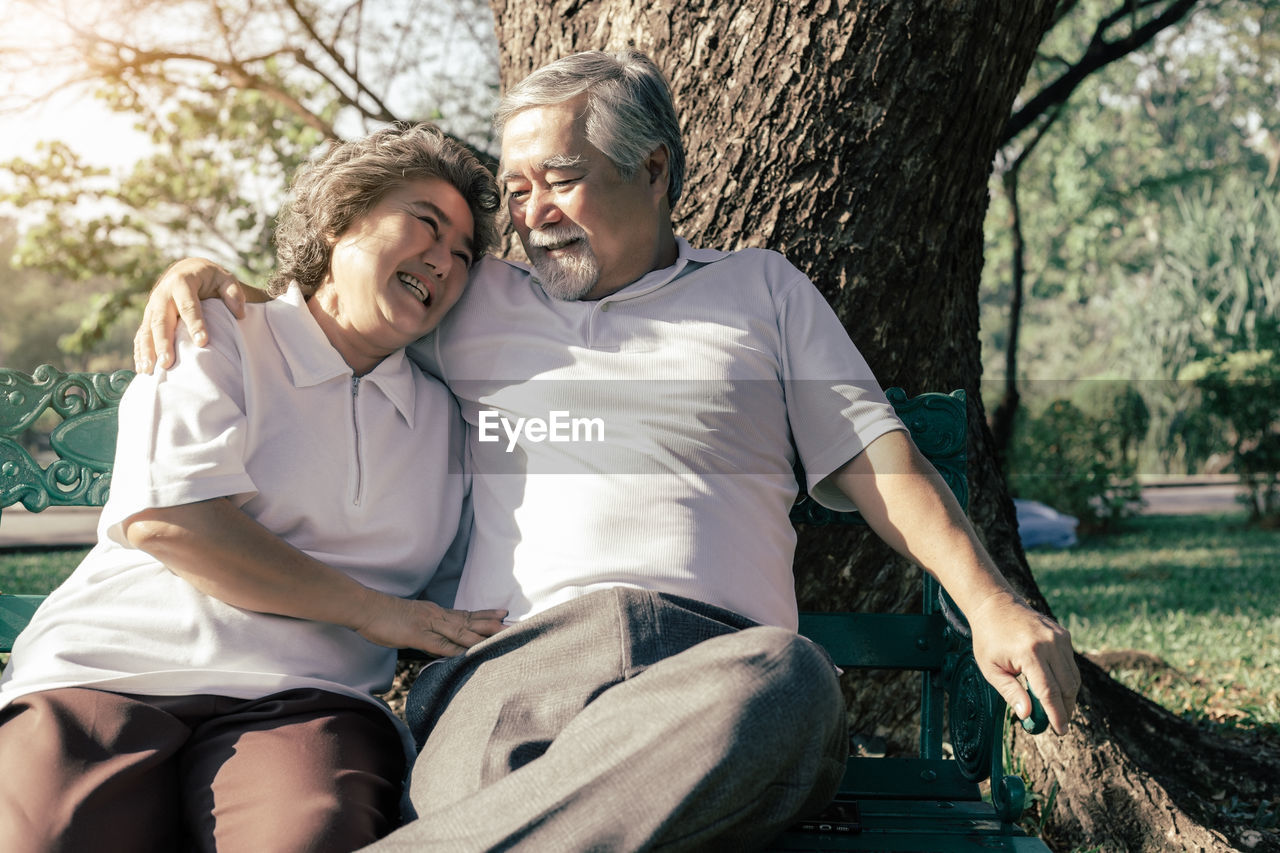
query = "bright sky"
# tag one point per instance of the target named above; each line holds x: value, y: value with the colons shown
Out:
x: 107, y: 138
x: 101, y: 136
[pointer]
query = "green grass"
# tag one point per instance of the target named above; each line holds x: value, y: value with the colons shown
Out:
x: 1183, y: 609
x: 36, y: 572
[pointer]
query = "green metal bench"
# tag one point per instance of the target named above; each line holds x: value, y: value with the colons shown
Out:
x: 925, y: 803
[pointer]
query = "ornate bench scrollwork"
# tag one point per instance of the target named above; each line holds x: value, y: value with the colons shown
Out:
x: 84, y: 442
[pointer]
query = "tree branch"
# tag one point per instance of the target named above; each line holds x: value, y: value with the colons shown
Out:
x: 234, y: 72
x: 1003, y: 418
x: 331, y: 51
x: 380, y: 114
x: 1098, y: 54
x: 1063, y: 9
x: 223, y: 29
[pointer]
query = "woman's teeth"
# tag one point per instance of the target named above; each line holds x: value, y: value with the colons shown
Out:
x: 417, y: 287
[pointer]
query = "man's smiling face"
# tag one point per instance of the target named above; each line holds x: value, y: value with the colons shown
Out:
x: 587, y: 230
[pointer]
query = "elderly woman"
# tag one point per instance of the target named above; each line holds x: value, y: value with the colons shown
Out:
x: 281, y: 501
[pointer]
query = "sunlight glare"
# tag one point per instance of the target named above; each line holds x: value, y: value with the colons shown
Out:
x: 32, y: 106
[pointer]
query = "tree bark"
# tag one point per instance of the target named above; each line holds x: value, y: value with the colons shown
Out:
x: 857, y: 138
x: 1006, y: 413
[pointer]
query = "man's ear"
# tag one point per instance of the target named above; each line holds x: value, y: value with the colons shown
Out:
x: 655, y: 166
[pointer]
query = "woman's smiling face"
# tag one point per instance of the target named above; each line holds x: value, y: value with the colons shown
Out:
x: 396, y: 271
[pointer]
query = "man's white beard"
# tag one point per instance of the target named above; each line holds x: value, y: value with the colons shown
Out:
x: 572, y: 275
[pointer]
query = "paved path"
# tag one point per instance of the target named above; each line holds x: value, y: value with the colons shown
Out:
x: 1191, y: 500
x: 71, y: 526
x: 60, y: 525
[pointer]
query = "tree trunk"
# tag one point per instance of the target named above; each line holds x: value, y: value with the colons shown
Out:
x: 857, y: 138
x: 1006, y: 413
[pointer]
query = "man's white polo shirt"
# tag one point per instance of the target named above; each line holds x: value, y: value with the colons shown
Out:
x: 649, y: 438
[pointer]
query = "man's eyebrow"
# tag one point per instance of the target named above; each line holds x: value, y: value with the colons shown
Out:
x: 556, y: 161
x: 564, y: 161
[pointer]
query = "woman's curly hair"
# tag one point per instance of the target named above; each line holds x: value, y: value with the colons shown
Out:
x: 330, y: 193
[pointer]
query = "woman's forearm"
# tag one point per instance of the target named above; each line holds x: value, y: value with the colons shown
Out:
x: 224, y: 553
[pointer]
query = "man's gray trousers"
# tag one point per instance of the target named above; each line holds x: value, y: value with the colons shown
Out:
x: 623, y: 720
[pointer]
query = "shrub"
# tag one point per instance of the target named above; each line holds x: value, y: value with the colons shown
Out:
x: 1240, y: 400
x: 1082, y: 463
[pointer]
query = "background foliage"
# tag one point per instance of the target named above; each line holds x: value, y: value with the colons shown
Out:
x: 1080, y: 456
x: 1146, y: 242
x: 230, y: 96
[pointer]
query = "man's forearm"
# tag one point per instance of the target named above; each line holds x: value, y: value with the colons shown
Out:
x: 204, y: 279
x: 907, y: 503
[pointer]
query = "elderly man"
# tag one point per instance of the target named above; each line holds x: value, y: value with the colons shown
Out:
x: 651, y: 692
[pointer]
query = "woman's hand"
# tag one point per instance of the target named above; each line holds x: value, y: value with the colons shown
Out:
x: 224, y: 553
x: 177, y: 294
x: 404, y: 624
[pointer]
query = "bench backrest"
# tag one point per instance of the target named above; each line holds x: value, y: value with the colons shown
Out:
x: 83, y: 445
x: 75, y: 470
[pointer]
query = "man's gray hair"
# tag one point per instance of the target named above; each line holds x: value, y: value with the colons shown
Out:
x: 629, y: 108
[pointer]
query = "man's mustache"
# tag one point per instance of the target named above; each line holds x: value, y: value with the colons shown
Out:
x: 554, y: 237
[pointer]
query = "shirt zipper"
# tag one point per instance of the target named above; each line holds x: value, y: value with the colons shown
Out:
x: 355, y: 424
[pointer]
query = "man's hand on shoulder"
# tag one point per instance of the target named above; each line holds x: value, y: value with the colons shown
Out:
x: 177, y: 294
